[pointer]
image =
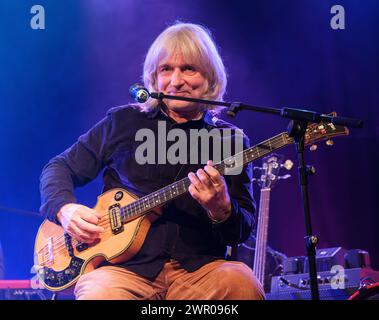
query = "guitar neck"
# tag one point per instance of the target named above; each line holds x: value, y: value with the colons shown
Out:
x: 178, y: 188
x: 261, y: 237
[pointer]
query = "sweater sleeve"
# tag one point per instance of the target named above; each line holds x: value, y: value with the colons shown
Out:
x: 76, y: 166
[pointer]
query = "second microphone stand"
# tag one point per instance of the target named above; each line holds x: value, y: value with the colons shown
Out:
x: 296, y: 129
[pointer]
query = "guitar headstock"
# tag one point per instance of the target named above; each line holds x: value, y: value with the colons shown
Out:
x: 316, y: 132
x: 271, y: 166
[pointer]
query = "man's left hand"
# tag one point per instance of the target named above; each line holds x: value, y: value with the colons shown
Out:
x: 209, y: 188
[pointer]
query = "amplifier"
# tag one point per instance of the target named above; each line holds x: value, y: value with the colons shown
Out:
x: 324, y: 293
x: 332, y: 285
x: 327, y: 258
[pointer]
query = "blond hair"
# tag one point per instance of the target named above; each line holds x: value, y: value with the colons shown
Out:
x: 196, y: 45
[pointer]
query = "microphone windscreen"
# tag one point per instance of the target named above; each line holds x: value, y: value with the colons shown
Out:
x: 139, y: 93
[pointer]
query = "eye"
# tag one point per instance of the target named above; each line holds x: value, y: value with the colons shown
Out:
x: 189, y: 69
x: 164, y: 69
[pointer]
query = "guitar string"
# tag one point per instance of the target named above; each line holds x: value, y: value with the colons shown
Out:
x: 277, y: 141
x: 265, y: 236
x: 259, y: 271
x: 259, y: 232
x: 262, y: 236
x: 258, y: 257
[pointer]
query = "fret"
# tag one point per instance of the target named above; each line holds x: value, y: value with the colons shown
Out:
x: 156, y: 200
x: 131, y: 208
x: 139, y: 205
x: 147, y: 204
x: 171, y: 191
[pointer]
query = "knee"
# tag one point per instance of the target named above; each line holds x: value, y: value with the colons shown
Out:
x: 90, y: 290
x: 237, y: 281
x: 95, y: 286
x: 95, y: 293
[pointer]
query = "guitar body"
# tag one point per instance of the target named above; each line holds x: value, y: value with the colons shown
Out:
x: 58, y: 269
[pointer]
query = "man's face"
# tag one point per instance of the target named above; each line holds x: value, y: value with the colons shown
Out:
x: 178, y: 77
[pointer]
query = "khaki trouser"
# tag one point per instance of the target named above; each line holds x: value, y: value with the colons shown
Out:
x: 218, y: 280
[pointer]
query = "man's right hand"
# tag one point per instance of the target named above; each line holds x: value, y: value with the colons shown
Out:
x: 80, y: 222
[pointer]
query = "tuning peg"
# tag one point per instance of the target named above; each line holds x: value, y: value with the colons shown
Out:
x: 329, y: 142
x: 313, y: 147
x: 288, y: 164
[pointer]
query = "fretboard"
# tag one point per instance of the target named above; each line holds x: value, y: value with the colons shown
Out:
x: 162, y: 196
x: 261, y: 237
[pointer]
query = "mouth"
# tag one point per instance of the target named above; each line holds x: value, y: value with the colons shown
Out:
x: 179, y: 93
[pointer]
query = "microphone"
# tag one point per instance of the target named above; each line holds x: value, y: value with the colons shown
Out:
x: 139, y: 93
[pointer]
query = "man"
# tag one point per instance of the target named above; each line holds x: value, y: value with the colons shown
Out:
x: 183, y: 254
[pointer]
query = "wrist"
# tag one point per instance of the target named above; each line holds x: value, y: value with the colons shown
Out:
x: 221, y: 215
x: 61, y: 210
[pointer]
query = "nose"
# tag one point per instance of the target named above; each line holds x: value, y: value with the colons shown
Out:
x: 177, y: 78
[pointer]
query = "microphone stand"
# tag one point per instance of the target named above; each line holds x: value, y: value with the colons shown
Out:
x: 296, y: 129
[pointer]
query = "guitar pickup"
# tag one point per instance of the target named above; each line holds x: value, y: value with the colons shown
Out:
x: 115, y: 219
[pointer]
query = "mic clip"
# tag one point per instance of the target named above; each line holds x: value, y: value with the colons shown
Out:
x: 233, y: 109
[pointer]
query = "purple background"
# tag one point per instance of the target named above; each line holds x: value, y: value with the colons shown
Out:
x: 56, y: 83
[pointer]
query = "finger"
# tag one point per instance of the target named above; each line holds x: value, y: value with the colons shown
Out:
x: 97, y: 214
x: 76, y: 237
x: 80, y: 235
x: 194, y: 193
x: 90, y: 215
x: 204, y: 178
x: 195, y: 181
x: 89, y: 227
x: 214, y: 175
